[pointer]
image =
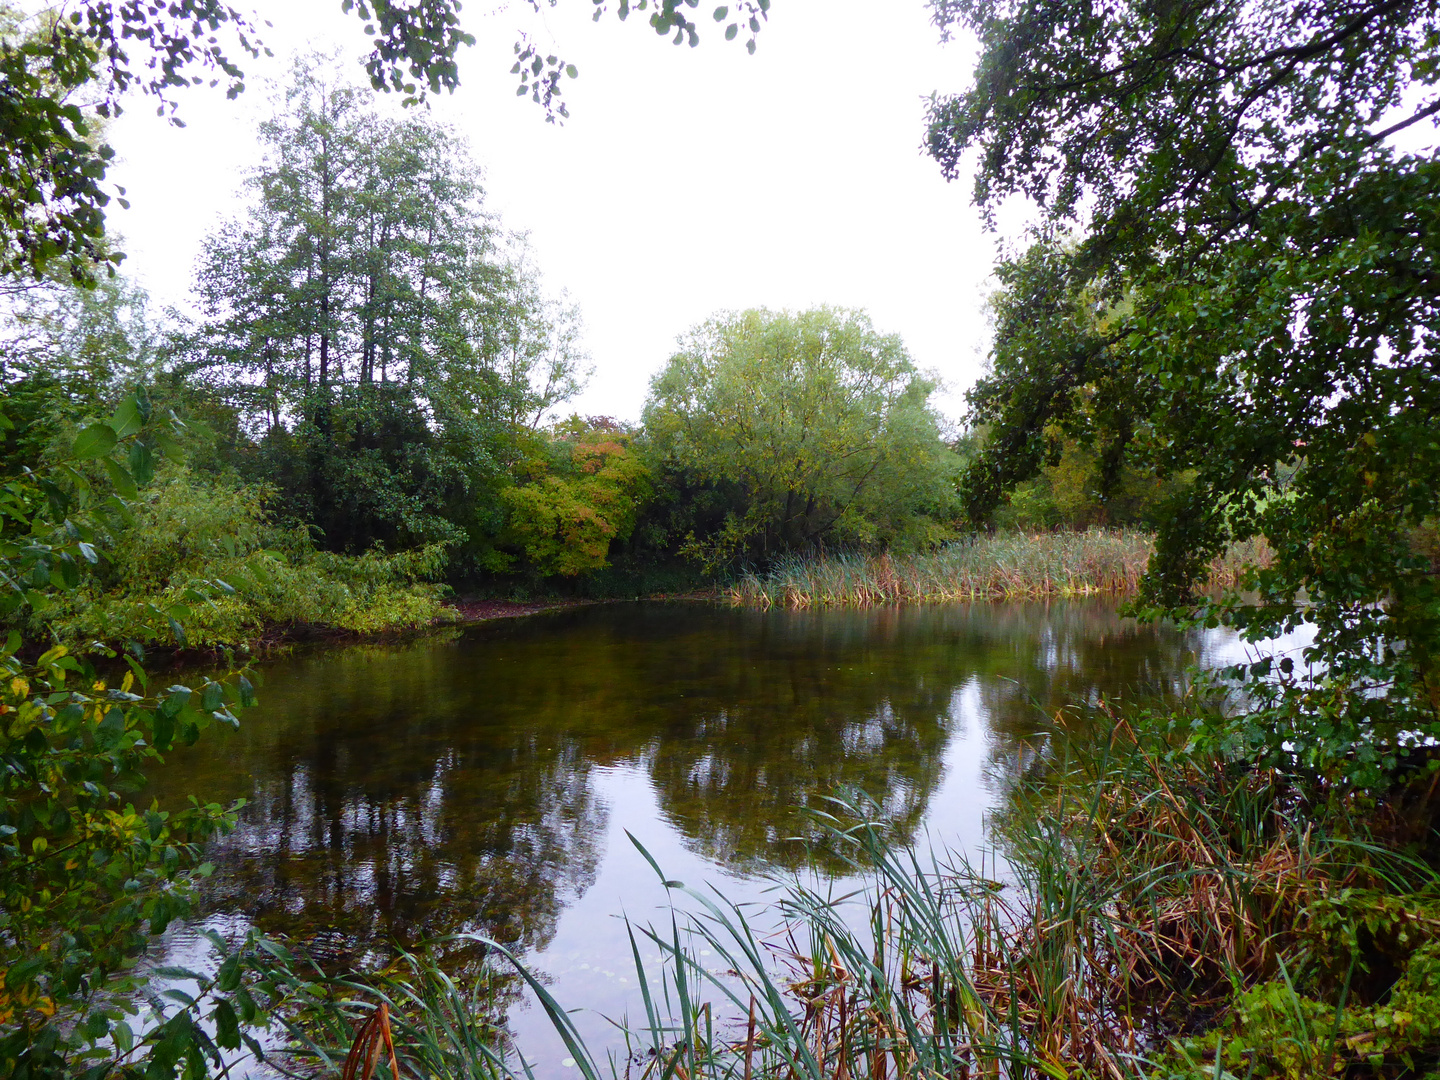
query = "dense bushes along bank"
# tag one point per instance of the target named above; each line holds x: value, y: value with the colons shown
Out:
x: 1001, y: 566
x: 189, y: 533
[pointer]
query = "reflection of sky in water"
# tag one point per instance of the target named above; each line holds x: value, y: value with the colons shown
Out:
x: 1221, y: 647
x: 484, y: 782
x: 589, y: 963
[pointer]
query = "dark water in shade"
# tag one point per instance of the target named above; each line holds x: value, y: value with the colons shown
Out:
x: 483, y: 780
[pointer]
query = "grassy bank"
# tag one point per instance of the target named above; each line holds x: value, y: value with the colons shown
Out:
x: 1003, y: 566
x: 1157, y: 915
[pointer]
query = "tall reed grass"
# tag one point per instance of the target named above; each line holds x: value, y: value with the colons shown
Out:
x: 1156, y: 916
x: 1003, y: 566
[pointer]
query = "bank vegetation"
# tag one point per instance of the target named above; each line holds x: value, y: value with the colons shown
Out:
x: 988, y: 566
x: 1222, y: 334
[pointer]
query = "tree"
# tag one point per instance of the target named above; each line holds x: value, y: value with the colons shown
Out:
x: 52, y: 167
x: 381, y: 337
x: 579, y: 492
x: 1254, y: 296
x: 819, y: 424
x: 363, y: 249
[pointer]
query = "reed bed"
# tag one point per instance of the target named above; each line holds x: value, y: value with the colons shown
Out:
x: 1003, y: 566
x: 1146, y: 901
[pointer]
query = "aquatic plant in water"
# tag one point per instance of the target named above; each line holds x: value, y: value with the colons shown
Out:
x: 1156, y: 914
x: 1004, y: 566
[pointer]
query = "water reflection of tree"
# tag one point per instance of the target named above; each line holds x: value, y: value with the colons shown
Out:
x: 449, y: 785
x: 1044, y: 658
x: 809, y: 703
x: 381, y: 810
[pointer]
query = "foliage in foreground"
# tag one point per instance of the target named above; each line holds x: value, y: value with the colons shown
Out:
x: 1232, y: 287
x: 93, y: 545
x: 1155, y: 915
x: 89, y: 872
x: 1002, y: 566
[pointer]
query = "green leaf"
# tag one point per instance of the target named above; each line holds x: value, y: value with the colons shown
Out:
x: 228, y: 977
x: 572, y: 71
x: 142, y: 463
x: 69, y: 572
x: 169, y: 446
x: 176, y: 697
x: 227, y: 1026
x: 114, y: 722
x: 127, y: 419
x: 124, y: 483
x: 164, y: 730
x: 95, y: 441
x: 117, y: 506
x: 721, y: 13
x: 175, y: 971
x: 23, y: 972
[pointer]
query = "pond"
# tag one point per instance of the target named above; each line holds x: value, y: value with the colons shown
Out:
x: 484, y: 780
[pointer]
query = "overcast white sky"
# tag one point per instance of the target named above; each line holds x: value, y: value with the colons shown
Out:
x: 686, y: 181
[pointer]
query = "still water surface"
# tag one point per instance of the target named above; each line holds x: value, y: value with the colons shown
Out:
x: 484, y: 780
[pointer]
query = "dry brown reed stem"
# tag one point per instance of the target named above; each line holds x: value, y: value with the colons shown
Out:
x: 1006, y: 566
x: 750, y: 1040
x: 1155, y: 905
x: 1185, y: 930
x: 365, y: 1050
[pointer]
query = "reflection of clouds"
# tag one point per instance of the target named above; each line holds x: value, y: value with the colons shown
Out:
x: 451, y: 784
x: 1056, y: 657
x: 1224, y: 646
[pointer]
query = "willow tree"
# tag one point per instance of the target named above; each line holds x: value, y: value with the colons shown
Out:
x: 817, y: 423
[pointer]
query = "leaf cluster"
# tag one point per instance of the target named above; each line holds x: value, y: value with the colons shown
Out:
x: 577, y: 494
x: 1249, y: 307
x: 539, y: 74
x: 87, y: 877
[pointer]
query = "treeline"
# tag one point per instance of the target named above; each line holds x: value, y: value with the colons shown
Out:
x: 373, y: 388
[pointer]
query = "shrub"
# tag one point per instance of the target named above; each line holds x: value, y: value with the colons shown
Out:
x: 199, y: 553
